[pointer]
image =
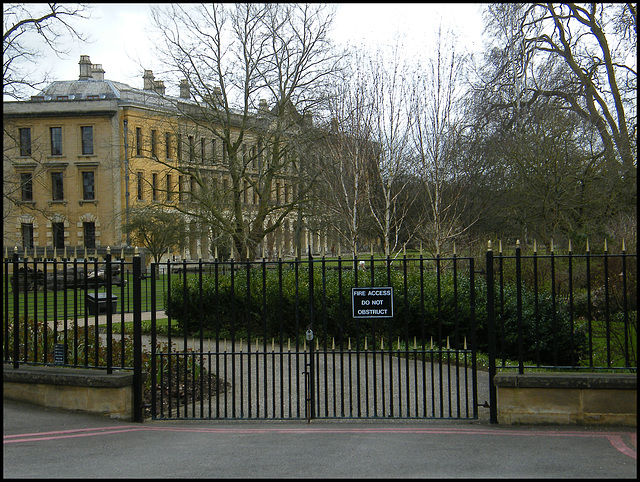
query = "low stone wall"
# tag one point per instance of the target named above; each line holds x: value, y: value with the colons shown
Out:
x: 567, y: 398
x: 71, y: 389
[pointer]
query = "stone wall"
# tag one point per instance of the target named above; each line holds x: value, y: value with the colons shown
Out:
x: 567, y: 398
x: 72, y: 389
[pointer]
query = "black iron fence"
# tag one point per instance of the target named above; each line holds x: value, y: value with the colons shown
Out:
x: 286, y: 339
x: 525, y: 310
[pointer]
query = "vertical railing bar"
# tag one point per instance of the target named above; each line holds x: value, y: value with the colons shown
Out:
x: 324, y: 322
x: 439, y: 303
x: 154, y: 368
x: 456, y: 338
x: 233, y: 337
x: 624, y: 307
x: 248, y: 315
x: 554, y: 324
x: 35, y: 308
x: 108, y: 281
x: 137, y: 339
x: 16, y: 311
x: 25, y: 316
x: 281, y: 323
x: 75, y: 312
x: 86, y: 311
x: 201, y: 321
x: 571, y: 320
x: 390, y: 329
x: 606, y: 305
x: 493, y: 414
x: 519, y: 308
x: 374, y: 350
x: 474, y: 368
x: 406, y: 332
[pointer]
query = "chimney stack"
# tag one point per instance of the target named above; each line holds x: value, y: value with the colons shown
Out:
x: 148, y: 80
x: 184, y: 89
x: 85, y: 67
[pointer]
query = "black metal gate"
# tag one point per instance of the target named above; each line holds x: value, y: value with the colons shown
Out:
x: 279, y: 340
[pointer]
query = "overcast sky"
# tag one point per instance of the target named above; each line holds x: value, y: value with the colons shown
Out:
x: 119, y: 34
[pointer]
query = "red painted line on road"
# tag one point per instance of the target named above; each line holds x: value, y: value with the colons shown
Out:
x: 60, y: 432
x: 35, y: 437
x: 615, y: 438
x: 617, y: 442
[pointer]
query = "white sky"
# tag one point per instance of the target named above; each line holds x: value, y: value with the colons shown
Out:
x: 119, y: 33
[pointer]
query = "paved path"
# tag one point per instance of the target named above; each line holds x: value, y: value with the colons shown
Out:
x: 48, y: 443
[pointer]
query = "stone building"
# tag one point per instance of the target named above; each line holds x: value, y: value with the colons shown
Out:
x: 81, y: 152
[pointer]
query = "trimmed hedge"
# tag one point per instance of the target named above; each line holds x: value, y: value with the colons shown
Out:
x: 275, y: 303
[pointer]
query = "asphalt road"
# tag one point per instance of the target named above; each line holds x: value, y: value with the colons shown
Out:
x: 49, y: 443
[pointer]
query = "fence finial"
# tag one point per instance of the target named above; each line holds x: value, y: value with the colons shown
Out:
x: 136, y: 251
x: 623, y: 246
x: 587, y: 245
x: 15, y: 249
x: 605, y: 245
x: 489, y: 245
x: 535, y: 246
x: 552, y: 245
x: 569, y: 246
x: 500, y: 246
x: 108, y: 249
x: 517, y: 243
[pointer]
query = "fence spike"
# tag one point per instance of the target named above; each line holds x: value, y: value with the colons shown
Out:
x: 44, y: 254
x: 569, y: 246
x: 381, y: 343
x: 288, y: 344
x: 398, y: 343
x: 241, y: 345
x: 454, y: 249
x: 225, y: 345
x: 500, y: 246
x: 465, y: 342
x: 365, y: 343
x: 333, y: 343
x: 517, y: 243
x: 535, y: 246
x: 55, y: 252
x: 605, y: 245
x: 432, y: 343
x: 317, y: 345
x: 75, y: 252
x: 552, y: 245
x: 273, y: 344
x: 25, y: 252
x: 448, y: 346
x: 587, y: 245
x: 304, y: 344
x: 623, y: 247
x: 349, y: 344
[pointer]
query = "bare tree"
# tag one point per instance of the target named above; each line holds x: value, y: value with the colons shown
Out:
x: 255, y: 71
x: 597, y: 45
x: 30, y: 32
x: 25, y: 27
x: 436, y: 138
x: 389, y: 197
x: 351, y: 156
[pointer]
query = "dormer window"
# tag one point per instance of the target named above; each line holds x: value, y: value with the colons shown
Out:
x: 36, y: 98
x: 93, y: 97
x: 62, y: 97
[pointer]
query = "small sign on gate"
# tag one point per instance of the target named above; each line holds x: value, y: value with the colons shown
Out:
x: 58, y: 353
x: 376, y: 302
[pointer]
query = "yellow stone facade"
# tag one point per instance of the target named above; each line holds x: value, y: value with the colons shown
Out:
x: 116, y: 115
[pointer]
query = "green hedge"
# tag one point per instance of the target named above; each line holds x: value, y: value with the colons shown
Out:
x: 283, y: 309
